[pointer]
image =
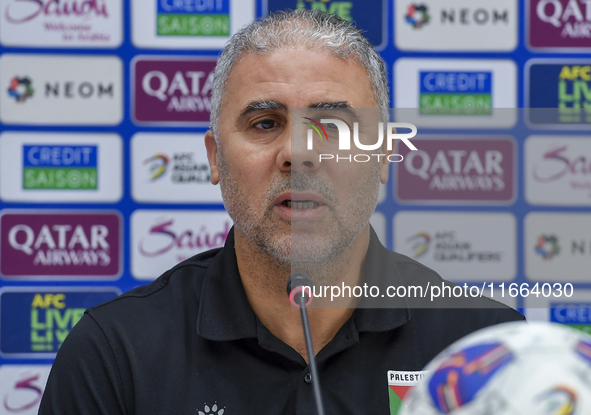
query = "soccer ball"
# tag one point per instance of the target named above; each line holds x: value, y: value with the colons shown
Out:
x: 509, y: 369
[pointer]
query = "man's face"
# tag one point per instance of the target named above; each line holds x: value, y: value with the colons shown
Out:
x: 277, y: 192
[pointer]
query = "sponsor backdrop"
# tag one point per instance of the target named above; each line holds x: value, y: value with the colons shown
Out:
x: 104, y: 181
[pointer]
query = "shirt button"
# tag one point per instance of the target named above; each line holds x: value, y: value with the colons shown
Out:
x: 308, y: 378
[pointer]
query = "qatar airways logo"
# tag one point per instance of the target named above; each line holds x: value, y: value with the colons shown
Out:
x: 339, y: 129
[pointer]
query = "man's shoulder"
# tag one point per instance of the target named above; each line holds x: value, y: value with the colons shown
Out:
x: 179, y: 285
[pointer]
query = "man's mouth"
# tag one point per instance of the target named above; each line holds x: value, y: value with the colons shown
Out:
x: 300, y: 204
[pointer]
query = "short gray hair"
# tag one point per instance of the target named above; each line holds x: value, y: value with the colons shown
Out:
x: 296, y: 29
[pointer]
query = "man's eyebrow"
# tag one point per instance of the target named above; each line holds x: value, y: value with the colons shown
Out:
x: 331, y: 105
x: 254, y: 106
x: 343, y: 106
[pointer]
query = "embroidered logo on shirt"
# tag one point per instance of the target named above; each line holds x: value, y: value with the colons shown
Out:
x: 212, y: 411
x: 400, y: 383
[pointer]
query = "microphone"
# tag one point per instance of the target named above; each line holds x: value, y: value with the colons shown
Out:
x: 299, y: 289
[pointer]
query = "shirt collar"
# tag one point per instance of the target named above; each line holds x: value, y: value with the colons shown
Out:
x: 225, y: 313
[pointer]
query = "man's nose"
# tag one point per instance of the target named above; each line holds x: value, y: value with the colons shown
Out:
x: 294, y: 154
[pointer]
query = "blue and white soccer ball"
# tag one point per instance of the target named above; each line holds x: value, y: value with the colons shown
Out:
x: 509, y: 369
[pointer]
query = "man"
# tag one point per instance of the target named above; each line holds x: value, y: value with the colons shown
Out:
x: 217, y: 334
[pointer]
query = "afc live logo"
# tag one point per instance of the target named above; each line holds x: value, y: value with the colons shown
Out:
x: 339, y: 128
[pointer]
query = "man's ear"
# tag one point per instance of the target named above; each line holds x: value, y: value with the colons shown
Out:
x: 212, y: 157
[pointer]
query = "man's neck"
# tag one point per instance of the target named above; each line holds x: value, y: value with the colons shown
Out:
x: 264, y: 279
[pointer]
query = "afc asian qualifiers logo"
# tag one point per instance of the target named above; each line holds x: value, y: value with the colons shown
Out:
x: 341, y: 134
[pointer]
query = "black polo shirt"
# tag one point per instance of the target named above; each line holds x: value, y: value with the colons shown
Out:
x: 189, y: 343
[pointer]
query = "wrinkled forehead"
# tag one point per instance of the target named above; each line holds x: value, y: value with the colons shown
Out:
x: 298, y: 78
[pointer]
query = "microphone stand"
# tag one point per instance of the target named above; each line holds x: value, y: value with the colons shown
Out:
x: 296, y: 288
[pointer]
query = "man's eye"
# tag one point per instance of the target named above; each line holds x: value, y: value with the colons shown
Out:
x: 331, y: 126
x: 266, y: 124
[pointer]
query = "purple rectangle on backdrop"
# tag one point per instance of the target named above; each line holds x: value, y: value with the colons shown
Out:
x: 60, y: 245
x: 458, y: 170
x: 559, y: 24
x: 173, y: 91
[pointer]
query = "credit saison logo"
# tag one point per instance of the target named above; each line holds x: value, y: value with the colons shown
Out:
x: 182, y: 166
x: 20, y: 89
x: 341, y: 133
x: 575, y: 315
x: 69, y: 167
x: 455, y: 92
x: 193, y: 18
x: 417, y: 15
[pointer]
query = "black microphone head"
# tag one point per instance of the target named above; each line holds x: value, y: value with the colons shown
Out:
x: 298, y: 279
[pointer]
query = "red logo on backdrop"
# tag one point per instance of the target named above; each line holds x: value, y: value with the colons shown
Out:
x: 560, y: 23
x: 172, y: 90
x: 64, y: 244
x: 468, y: 170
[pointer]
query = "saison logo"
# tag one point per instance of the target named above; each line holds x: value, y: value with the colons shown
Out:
x: 456, y: 92
x: 188, y: 18
x: 60, y: 167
